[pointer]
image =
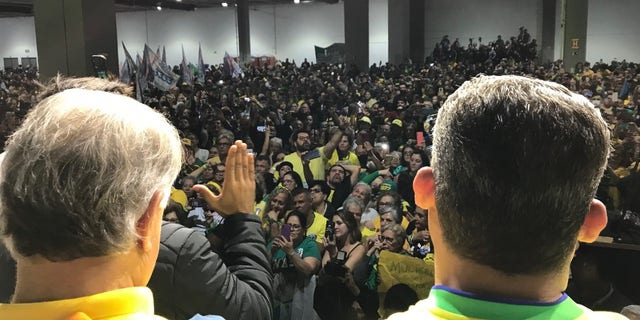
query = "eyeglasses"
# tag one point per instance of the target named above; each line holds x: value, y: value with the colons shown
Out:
x: 295, y: 226
x: 383, y: 238
x: 288, y: 181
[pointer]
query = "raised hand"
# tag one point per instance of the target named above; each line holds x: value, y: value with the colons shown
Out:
x: 238, y: 190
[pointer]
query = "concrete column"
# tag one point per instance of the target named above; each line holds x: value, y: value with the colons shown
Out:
x: 244, y: 37
x: 406, y: 31
x: 356, y: 33
x: 416, y: 30
x: 548, y: 18
x: 69, y: 32
x: 575, y: 33
x: 399, y: 34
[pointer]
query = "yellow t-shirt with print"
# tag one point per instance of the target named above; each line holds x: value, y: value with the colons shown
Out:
x: 317, y: 228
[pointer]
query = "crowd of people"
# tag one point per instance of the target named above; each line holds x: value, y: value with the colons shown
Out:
x: 337, y: 154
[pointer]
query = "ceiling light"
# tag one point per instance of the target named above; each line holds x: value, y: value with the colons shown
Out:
x: 296, y: 1
x: 159, y: 7
x: 224, y: 4
x: 178, y: 0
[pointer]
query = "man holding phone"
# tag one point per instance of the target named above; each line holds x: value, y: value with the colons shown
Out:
x: 310, y: 163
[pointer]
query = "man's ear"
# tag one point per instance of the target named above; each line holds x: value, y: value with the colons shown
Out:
x: 151, y: 219
x: 594, y: 222
x: 424, y: 188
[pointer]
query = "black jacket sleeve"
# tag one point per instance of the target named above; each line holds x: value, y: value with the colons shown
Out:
x: 190, y: 278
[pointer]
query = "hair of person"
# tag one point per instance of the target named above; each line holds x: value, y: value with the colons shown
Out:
x: 301, y: 216
x: 423, y: 155
x: 60, y: 83
x: 173, y: 206
x: 218, y: 167
x: 75, y: 192
x: 263, y: 157
x: 399, y: 234
x: 351, y: 201
x: 406, y: 146
x: 367, y: 189
x: 226, y: 134
x: 397, y: 200
x: 276, y: 140
x: 276, y: 191
x: 300, y: 190
x: 192, y: 178
x: 294, y: 135
x: 323, y: 186
x: 295, y: 176
x: 516, y: 163
x: 352, y: 224
x: 400, y: 297
x: 397, y: 218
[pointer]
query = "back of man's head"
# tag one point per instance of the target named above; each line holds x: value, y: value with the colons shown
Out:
x: 516, y: 163
x: 80, y: 172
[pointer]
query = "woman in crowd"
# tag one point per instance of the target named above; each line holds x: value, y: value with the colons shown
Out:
x: 278, y: 203
x: 295, y: 261
x: 392, y: 238
x: 404, y: 181
x: 291, y: 180
x: 337, y: 289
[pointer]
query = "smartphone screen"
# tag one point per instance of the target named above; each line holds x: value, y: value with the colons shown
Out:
x: 286, y: 231
x: 420, y: 138
x: 260, y: 128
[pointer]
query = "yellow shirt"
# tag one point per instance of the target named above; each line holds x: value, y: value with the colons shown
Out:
x: 316, y: 165
x: 317, y: 228
x: 121, y: 304
x: 351, y: 158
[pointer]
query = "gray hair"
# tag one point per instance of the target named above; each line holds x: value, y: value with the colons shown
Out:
x: 399, y: 234
x: 352, y: 201
x: 368, y: 190
x: 79, y: 173
x: 393, y: 211
x: 516, y: 163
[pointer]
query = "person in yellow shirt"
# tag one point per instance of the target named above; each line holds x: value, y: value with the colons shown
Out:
x: 310, y: 163
x: 79, y: 217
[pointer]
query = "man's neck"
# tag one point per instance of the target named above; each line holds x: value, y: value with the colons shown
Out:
x: 468, y: 276
x: 42, y: 280
x: 310, y: 217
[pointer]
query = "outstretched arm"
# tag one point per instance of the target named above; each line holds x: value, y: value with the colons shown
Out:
x: 235, y: 282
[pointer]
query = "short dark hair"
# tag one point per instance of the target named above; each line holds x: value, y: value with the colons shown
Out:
x: 323, y: 185
x: 294, y: 135
x: 516, y: 163
x: 301, y: 216
x: 300, y: 190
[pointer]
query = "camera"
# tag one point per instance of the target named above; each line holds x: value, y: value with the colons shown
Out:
x: 336, y: 267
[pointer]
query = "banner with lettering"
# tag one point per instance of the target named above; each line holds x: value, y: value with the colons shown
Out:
x: 396, y: 268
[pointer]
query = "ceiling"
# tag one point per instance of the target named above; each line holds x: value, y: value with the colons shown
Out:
x: 23, y: 8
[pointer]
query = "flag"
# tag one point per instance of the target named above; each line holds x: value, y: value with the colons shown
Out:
x: 141, y: 75
x: 200, y: 77
x: 159, y: 73
x: 164, y: 55
x: 624, y: 90
x: 128, y: 67
x: 231, y: 66
x: 187, y: 75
